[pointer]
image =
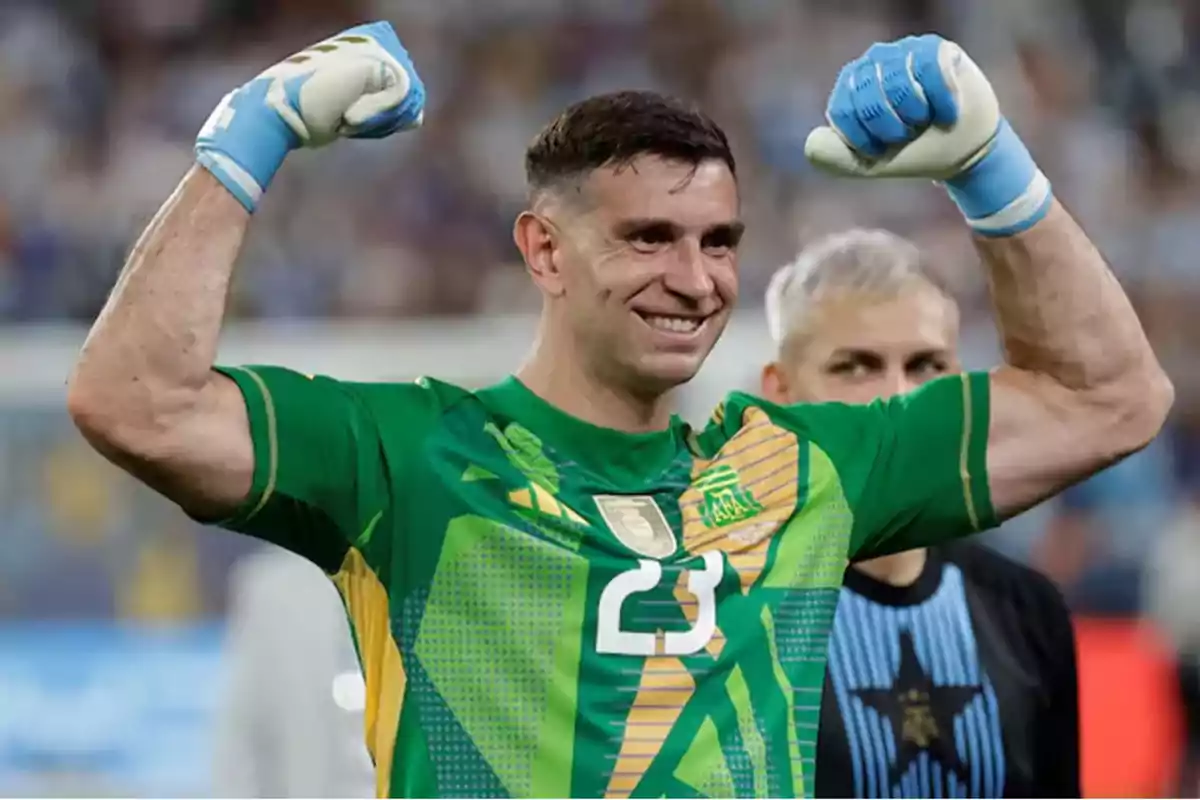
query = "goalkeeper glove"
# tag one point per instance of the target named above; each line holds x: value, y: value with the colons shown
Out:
x: 358, y: 84
x: 919, y: 107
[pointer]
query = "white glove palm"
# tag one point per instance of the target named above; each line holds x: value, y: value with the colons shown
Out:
x: 334, y: 88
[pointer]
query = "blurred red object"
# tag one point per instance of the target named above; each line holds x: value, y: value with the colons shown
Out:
x: 1131, y: 722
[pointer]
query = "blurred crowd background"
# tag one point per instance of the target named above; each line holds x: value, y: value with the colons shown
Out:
x: 101, y: 586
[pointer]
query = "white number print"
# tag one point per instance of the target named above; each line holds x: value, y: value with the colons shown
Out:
x: 702, y: 584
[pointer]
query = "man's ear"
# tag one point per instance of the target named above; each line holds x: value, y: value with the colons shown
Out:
x: 774, y: 384
x: 537, y: 239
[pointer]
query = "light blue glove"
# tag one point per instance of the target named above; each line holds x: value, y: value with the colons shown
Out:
x: 358, y: 84
x: 919, y: 107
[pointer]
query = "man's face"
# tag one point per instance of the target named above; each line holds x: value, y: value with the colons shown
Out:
x: 855, y: 349
x: 648, y: 268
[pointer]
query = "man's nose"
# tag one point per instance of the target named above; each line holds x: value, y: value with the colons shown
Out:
x: 689, y: 274
x: 898, y: 382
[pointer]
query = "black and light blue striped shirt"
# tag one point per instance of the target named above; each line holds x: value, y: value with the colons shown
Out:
x: 960, y: 685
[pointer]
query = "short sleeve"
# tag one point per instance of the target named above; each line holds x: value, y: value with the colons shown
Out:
x: 321, y: 471
x: 914, y: 467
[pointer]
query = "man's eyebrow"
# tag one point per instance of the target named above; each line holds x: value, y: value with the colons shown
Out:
x: 734, y: 228
x: 632, y: 224
x: 856, y: 352
x: 925, y: 352
x: 929, y: 352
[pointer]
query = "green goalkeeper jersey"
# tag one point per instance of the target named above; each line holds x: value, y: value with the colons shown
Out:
x: 547, y: 608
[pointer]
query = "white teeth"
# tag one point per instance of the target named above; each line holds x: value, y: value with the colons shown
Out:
x: 674, y: 324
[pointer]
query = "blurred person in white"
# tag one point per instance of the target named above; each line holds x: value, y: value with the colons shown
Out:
x: 290, y: 718
x: 557, y: 587
x: 966, y: 658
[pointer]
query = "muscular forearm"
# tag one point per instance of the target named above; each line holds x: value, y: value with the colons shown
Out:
x: 1061, y: 312
x: 1080, y: 383
x: 1081, y: 387
x: 152, y: 348
x: 143, y: 391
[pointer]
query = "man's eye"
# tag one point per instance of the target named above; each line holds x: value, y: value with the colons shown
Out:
x: 850, y: 369
x: 650, y: 236
x: 928, y: 366
x: 719, y: 243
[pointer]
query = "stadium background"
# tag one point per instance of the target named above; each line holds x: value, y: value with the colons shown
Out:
x: 393, y: 260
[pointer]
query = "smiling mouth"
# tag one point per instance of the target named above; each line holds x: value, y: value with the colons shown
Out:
x: 678, y: 326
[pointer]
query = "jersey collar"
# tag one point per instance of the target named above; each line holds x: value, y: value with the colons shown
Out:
x: 617, y: 456
x: 886, y: 594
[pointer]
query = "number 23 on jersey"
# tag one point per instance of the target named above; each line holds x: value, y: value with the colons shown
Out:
x: 702, y: 584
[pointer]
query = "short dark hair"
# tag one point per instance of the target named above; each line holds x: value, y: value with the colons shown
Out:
x: 613, y: 129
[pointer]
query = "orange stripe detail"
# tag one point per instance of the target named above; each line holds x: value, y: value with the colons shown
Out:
x: 766, y: 460
x: 383, y: 671
x: 665, y: 687
x: 690, y: 606
x: 545, y: 501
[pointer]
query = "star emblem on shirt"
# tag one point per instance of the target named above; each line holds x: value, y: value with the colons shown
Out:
x: 921, y: 713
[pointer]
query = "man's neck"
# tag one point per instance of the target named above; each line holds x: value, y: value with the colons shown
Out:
x: 898, y: 569
x: 566, y: 384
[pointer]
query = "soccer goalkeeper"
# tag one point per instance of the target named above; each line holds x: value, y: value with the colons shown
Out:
x: 556, y: 587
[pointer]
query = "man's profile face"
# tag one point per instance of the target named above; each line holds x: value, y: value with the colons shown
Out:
x: 649, y: 267
x: 856, y: 348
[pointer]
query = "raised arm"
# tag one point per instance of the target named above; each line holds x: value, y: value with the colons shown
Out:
x: 144, y: 391
x: 1080, y: 388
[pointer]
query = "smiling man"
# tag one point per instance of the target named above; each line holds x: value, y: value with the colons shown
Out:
x: 557, y: 588
x: 632, y: 237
